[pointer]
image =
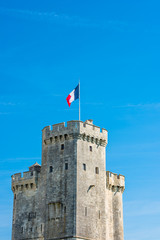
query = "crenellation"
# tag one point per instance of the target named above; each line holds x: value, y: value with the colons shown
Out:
x: 113, y: 181
x: 60, y: 130
x: 58, y: 127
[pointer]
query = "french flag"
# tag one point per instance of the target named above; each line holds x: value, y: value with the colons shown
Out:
x: 73, y: 95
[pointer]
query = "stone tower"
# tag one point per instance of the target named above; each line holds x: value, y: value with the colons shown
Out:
x: 71, y: 196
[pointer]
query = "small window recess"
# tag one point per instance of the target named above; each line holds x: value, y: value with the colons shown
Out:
x: 84, y: 166
x: 90, y: 148
x: 50, y: 169
x: 62, y: 146
x: 66, y: 166
x: 85, y: 211
x: 97, y: 170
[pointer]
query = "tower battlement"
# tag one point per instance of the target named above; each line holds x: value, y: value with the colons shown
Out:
x: 75, y: 129
x: 26, y: 181
x: 115, y: 181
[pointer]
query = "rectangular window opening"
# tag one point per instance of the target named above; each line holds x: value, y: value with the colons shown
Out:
x: 50, y: 169
x: 62, y: 146
x: 90, y: 148
x: 97, y: 170
x: 85, y: 211
x: 66, y: 166
x: 84, y: 166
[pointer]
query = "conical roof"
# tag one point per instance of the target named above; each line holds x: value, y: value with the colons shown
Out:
x: 35, y: 165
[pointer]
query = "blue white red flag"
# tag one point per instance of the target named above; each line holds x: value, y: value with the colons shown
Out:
x: 73, y: 95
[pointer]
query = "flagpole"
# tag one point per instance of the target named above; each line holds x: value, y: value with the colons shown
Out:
x: 79, y: 102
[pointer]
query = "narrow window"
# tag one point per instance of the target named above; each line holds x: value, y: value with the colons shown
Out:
x: 50, y: 169
x: 65, y: 136
x: 65, y: 209
x: 31, y: 229
x: 22, y: 230
x: 84, y: 166
x: 31, y: 173
x: 62, y: 146
x: 26, y: 185
x: 97, y: 170
x: 90, y: 148
x: 85, y: 211
x: 65, y: 190
x: 31, y: 185
x: 41, y: 227
x: 66, y: 166
x: 61, y: 137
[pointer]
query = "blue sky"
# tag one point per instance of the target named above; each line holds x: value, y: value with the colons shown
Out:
x: 114, y: 48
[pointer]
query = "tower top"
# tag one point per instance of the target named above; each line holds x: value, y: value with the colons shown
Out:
x: 75, y: 129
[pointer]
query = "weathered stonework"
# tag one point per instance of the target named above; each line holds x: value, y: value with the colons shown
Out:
x: 71, y: 196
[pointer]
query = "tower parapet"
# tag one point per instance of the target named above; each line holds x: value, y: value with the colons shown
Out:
x: 28, y: 181
x: 115, y: 181
x: 75, y: 129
